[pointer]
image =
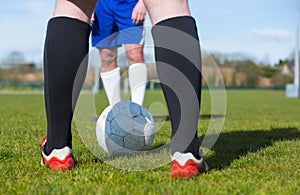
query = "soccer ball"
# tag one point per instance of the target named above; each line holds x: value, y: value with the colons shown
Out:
x: 124, y: 128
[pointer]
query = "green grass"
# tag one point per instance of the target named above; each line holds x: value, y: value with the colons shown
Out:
x: 257, y: 151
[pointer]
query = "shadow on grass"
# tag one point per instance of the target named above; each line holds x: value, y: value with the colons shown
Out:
x: 203, y: 116
x: 211, y: 116
x: 233, y: 145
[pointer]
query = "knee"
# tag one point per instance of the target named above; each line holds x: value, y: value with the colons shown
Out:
x: 135, y: 59
x: 135, y: 56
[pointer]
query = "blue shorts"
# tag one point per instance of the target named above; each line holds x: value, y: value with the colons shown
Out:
x: 113, y: 25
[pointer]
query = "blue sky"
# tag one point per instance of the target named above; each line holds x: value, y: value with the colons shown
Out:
x: 262, y: 29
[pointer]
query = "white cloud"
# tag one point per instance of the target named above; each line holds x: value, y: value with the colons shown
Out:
x: 263, y: 44
x: 274, y: 43
x: 268, y: 34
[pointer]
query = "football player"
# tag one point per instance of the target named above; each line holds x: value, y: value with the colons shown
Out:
x: 178, y: 59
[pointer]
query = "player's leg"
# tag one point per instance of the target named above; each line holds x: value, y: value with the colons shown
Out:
x: 178, y: 59
x: 65, y: 51
x: 104, y: 38
x: 131, y: 35
x: 137, y: 72
x: 110, y: 74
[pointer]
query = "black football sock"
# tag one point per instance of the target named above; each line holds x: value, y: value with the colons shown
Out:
x: 65, y: 54
x: 178, y: 61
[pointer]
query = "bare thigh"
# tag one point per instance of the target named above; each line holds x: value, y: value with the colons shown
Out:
x: 80, y: 9
x: 160, y: 10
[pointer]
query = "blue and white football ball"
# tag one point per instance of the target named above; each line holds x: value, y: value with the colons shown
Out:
x: 125, y: 127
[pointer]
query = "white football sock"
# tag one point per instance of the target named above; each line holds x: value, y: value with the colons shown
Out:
x: 111, y: 82
x: 137, y: 74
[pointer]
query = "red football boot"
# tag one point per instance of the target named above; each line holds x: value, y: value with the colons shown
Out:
x: 58, y: 159
x: 185, y: 165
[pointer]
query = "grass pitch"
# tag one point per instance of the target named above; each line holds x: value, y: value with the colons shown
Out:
x: 257, y: 151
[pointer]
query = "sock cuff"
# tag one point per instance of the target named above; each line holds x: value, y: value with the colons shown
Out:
x: 69, y: 33
x: 179, y: 23
x: 176, y: 41
x: 175, y: 18
x: 110, y: 74
x: 131, y: 66
x: 70, y: 21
